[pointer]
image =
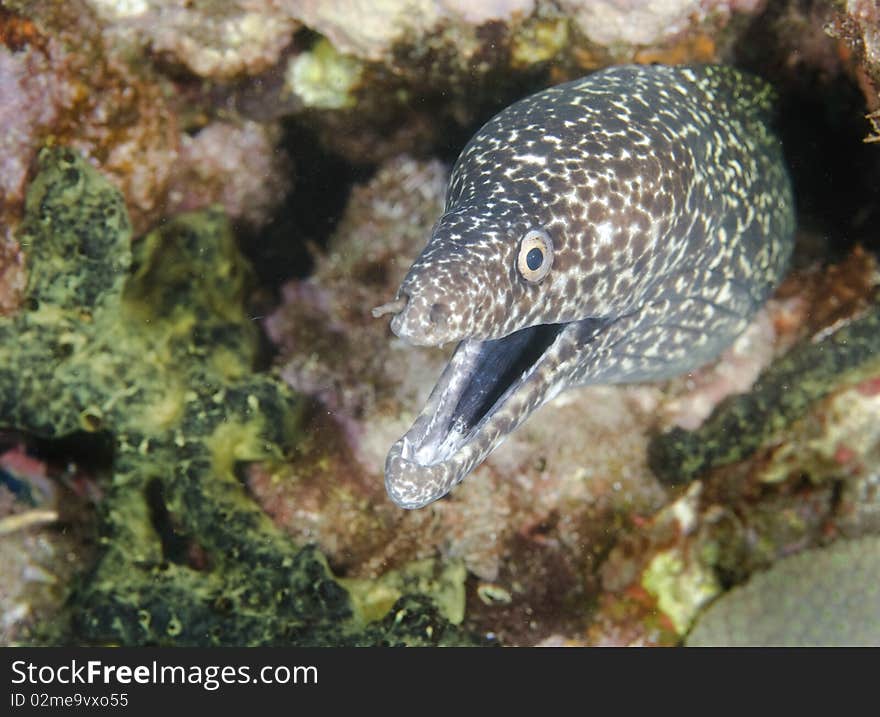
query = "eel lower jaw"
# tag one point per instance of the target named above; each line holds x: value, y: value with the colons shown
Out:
x: 486, y: 391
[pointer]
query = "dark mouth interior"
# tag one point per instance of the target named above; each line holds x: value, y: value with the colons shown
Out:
x: 500, y: 363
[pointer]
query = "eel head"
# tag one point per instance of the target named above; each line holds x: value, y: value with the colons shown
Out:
x: 516, y: 351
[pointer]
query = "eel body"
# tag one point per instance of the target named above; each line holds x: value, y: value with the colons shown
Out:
x: 618, y: 228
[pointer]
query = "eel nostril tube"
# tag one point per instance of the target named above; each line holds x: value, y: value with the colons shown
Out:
x: 392, y: 307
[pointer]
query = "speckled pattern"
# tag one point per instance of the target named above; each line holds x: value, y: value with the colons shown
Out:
x: 669, y: 210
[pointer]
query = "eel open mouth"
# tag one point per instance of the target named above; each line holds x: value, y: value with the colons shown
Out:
x: 471, y: 389
x: 486, y: 391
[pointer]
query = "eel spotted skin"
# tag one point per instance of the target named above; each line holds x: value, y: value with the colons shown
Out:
x: 622, y: 227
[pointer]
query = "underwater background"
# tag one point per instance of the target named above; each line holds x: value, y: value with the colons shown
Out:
x: 201, y: 203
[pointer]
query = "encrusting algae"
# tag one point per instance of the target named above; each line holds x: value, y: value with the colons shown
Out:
x: 782, y: 394
x: 150, y: 347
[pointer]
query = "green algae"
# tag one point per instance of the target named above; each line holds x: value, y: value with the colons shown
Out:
x: 824, y: 597
x: 680, y: 587
x: 539, y: 41
x: 324, y: 78
x: 443, y: 582
x: 783, y: 393
x: 151, y: 349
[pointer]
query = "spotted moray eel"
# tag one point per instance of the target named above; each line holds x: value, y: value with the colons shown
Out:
x: 621, y: 227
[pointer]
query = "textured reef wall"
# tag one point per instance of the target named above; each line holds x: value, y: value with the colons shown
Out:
x: 159, y: 361
x: 584, y: 471
x: 191, y: 442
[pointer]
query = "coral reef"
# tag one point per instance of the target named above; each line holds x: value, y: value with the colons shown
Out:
x: 45, y: 539
x: 781, y: 395
x: 213, y: 38
x: 392, y: 76
x: 826, y: 597
x: 615, y: 24
x: 235, y: 164
x: 64, y: 82
x: 159, y: 363
x: 857, y: 23
x: 163, y: 97
x: 142, y: 358
x: 183, y: 411
x: 372, y: 32
x: 65, y: 78
x: 459, y: 30
x: 811, y: 480
x: 391, y: 61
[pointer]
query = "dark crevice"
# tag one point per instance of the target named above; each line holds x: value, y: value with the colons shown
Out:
x: 836, y: 176
x: 90, y: 452
x: 175, y: 545
x: 822, y: 124
x: 306, y: 218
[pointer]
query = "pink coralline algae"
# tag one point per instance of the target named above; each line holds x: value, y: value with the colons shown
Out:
x: 370, y: 31
x: 616, y: 23
x: 30, y: 100
x: 86, y: 94
x: 216, y: 39
x: 66, y: 86
x: 234, y: 164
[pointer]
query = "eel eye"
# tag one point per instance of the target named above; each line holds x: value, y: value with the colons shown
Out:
x: 535, y: 255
